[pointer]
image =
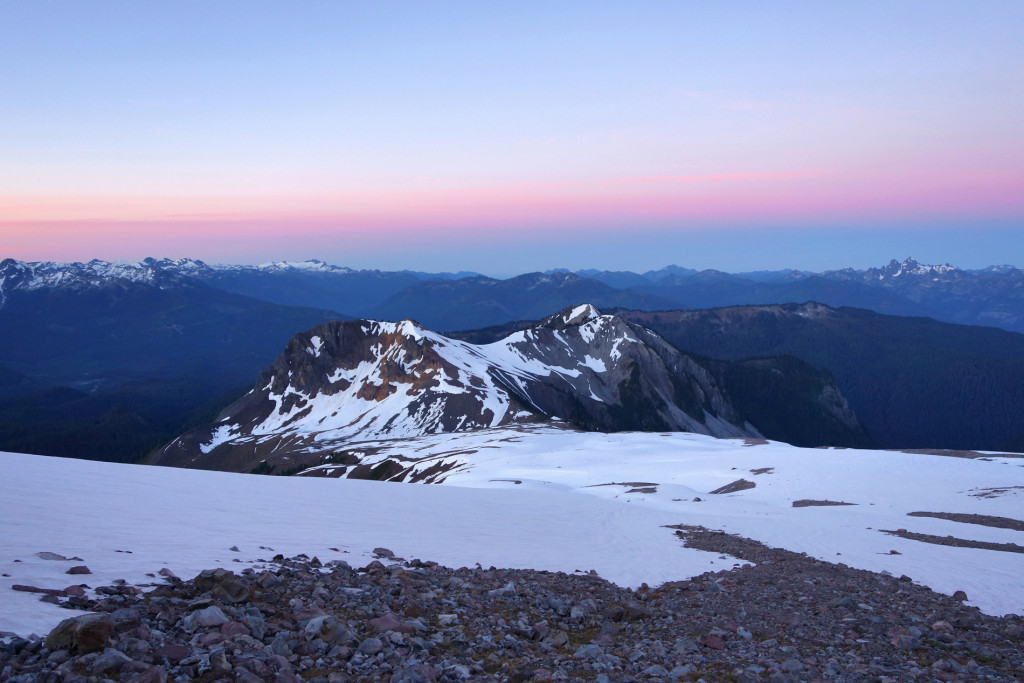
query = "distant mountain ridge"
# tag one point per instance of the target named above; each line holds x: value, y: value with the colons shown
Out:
x: 913, y: 382
x: 481, y: 301
x: 992, y: 296
x: 359, y: 381
x: 32, y: 276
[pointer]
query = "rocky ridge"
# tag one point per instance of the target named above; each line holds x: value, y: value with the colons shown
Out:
x: 363, y: 380
x: 786, y: 618
x: 29, y: 276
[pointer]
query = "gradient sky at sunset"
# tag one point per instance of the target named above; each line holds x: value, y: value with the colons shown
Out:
x: 509, y: 137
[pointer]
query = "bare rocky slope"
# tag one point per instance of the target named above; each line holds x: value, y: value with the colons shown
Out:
x: 786, y: 618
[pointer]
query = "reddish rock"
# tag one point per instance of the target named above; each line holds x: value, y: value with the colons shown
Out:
x: 634, y: 610
x: 35, y: 589
x: 154, y: 674
x: 211, y: 638
x: 222, y: 585
x: 79, y: 569
x: 81, y: 635
x: 714, y: 642
x: 389, y: 622
x: 173, y: 652
x: 234, y: 628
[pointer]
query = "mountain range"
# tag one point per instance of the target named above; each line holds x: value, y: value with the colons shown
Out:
x: 349, y: 382
x: 136, y: 353
x: 993, y: 296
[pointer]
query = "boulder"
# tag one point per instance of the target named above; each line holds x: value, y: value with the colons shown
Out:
x: 81, y: 635
x: 107, y: 663
x: 222, y: 585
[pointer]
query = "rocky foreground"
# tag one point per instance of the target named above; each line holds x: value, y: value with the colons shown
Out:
x: 788, y: 618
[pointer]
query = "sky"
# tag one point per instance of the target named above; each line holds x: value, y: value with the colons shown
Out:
x: 505, y: 137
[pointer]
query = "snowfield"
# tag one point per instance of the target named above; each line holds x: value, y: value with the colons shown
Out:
x: 533, y: 497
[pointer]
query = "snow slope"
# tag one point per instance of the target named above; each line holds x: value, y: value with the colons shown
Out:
x: 883, y: 487
x: 533, y: 497
x: 186, y: 520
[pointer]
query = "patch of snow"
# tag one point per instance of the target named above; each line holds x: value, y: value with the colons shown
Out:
x: 316, y: 343
x: 219, y: 436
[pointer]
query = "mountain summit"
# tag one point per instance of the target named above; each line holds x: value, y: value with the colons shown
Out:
x: 363, y: 380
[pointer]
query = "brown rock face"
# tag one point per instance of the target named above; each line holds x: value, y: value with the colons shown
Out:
x: 222, y: 585
x: 81, y: 635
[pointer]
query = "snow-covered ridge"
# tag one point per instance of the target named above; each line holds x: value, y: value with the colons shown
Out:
x: 911, y: 267
x: 28, y: 276
x: 309, y: 265
x: 360, y: 380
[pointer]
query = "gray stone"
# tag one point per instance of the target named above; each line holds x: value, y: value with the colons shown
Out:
x: 686, y: 645
x: 371, y: 646
x: 792, y: 666
x: 682, y: 670
x: 211, y: 616
x: 111, y: 660
x: 279, y: 646
x: 589, y: 651
x: 418, y: 673
x: 154, y: 674
x: 45, y: 555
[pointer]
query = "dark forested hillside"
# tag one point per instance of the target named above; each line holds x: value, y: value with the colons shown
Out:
x: 913, y: 382
x: 109, y: 371
x: 480, y: 301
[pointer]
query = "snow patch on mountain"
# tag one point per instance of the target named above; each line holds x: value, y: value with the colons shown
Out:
x: 309, y: 265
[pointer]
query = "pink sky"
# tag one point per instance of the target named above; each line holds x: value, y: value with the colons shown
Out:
x: 129, y: 227
x: 264, y: 131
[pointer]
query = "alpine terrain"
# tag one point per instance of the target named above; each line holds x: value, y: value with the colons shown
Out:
x: 363, y: 380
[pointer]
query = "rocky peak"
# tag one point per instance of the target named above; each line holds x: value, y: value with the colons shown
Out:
x: 572, y: 316
x: 909, y: 266
x: 364, y: 380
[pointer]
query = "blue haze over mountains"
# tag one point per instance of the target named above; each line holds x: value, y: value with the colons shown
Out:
x: 115, y: 359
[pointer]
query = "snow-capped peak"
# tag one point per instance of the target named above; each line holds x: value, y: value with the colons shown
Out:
x: 309, y: 265
x: 356, y: 380
x: 911, y: 267
x: 579, y: 315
